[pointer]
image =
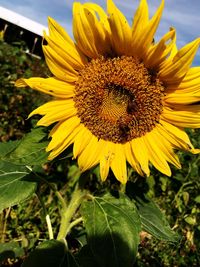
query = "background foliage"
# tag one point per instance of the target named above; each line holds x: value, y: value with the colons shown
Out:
x: 178, y: 196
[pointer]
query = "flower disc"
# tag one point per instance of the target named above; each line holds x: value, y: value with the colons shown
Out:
x: 118, y: 99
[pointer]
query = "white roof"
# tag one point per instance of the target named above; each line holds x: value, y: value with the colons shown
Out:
x: 22, y: 21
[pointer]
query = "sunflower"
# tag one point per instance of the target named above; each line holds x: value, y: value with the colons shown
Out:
x: 118, y: 96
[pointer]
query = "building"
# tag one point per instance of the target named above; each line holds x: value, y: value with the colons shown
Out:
x: 19, y: 28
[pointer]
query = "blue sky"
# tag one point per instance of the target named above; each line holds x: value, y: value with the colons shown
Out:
x: 181, y: 14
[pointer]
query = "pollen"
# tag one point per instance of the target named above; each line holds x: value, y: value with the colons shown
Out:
x: 118, y: 99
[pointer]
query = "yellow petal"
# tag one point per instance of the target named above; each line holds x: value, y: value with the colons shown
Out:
x: 132, y: 159
x: 191, y: 81
x: 185, y: 116
x: 174, y: 51
x: 89, y: 32
x: 141, y: 154
x: 103, y: 18
x: 140, y: 20
x: 176, y: 136
x: 62, y: 131
x: 82, y: 140
x: 58, y: 66
x: 157, y: 53
x: 54, y: 105
x: 156, y: 155
x: 61, y: 112
x: 121, y: 31
x: 192, y: 74
x: 58, y: 33
x: 168, y: 60
x: 82, y: 32
x: 91, y: 154
x: 101, y: 28
x: 165, y: 146
x: 118, y: 163
x: 106, y: 159
x: 65, y: 144
x: 50, y: 86
x: 63, y: 40
x: 183, y: 98
x: 178, y: 67
x: 66, y: 52
x: 141, y: 44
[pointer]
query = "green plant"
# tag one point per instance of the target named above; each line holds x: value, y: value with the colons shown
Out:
x: 33, y: 188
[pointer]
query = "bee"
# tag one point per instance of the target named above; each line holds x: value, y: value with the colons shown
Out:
x: 132, y: 106
x: 124, y: 128
x: 124, y: 131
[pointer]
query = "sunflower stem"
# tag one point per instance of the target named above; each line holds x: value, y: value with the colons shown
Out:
x: 68, y: 212
x: 74, y: 223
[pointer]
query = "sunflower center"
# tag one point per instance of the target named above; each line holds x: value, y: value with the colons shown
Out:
x: 118, y: 99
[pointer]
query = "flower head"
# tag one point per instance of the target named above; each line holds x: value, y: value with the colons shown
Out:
x: 118, y: 96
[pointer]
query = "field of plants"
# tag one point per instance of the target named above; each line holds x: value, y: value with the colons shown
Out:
x: 23, y: 227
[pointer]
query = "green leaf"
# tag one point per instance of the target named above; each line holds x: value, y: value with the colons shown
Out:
x: 190, y: 220
x: 86, y: 258
x: 16, y: 184
x: 50, y: 253
x: 8, y: 147
x: 10, y: 250
x: 153, y: 221
x: 197, y: 199
x: 112, y: 226
x: 30, y: 150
